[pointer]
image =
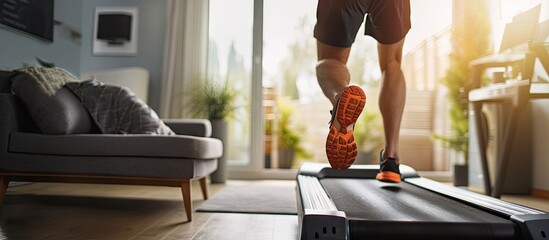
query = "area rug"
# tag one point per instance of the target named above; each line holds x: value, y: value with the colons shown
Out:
x: 253, y: 198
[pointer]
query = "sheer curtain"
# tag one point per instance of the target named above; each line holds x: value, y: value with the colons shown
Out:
x: 186, y: 51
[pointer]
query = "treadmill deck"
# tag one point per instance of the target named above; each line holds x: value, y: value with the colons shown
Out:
x: 402, y: 210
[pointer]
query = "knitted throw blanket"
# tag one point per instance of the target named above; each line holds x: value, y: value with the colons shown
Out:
x: 49, y: 79
x: 116, y: 110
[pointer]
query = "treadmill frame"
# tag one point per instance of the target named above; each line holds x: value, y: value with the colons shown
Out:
x: 315, y: 208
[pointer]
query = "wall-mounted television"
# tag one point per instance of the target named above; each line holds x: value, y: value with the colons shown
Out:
x: 115, y: 31
x: 116, y: 28
x: 34, y: 17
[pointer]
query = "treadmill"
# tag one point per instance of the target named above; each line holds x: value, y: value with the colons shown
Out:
x: 351, y: 204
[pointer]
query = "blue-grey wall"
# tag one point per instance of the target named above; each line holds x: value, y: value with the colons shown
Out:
x: 17, y: 48
x: 76, y: 56
x: 150, y: 43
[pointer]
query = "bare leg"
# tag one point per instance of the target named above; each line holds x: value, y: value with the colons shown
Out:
x: 333, y: 77
x: 331, y: 71
x: 392, y: 96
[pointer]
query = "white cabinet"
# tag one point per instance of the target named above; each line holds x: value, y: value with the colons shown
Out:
x: 135, y: 78
x: 540, y: 139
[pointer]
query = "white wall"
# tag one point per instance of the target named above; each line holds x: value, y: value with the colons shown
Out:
x: 150, y: 44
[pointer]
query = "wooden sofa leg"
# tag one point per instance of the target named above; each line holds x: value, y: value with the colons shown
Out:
x: 4, y: 182
x: 187, y: 198
x: 204, y: 186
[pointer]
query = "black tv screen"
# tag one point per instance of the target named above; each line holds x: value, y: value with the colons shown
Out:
x: 34, y: 17
x: 114, y: 27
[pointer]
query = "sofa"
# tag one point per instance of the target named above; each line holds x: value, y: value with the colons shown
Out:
x: 27, y: 154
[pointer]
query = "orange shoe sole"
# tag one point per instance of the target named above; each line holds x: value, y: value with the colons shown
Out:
x: 391, y: 177
x: 341, y: 148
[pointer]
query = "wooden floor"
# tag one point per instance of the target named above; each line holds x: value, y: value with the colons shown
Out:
x: 87, y: 211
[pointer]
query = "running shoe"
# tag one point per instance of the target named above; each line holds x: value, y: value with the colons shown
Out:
x: 388, y: 169
x: 340, y: 144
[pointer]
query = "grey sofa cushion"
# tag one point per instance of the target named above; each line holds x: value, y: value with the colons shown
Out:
x: 138, y: 145
x: 5, y: 83
x: 53, y: 111
x: 134, y: 167
x: 117, y: 110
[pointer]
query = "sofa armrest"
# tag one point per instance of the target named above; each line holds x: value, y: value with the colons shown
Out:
x: 192, y: 127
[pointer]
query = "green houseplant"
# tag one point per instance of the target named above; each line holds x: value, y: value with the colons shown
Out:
x: 290, y: 136
x: 368, y: 134
x: 215, y: 101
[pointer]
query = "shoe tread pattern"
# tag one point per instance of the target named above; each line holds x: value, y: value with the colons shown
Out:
x: 341, y: 148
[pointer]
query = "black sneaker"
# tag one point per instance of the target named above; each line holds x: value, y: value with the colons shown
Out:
x: 388, y: 169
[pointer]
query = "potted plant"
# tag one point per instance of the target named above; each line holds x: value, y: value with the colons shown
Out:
x: 290, y: 137
x: 368, y: 134
x: 268, y: 141
x: 215, y: 101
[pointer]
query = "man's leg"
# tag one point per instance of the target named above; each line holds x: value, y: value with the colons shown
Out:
x: 331, y: 72
x: 348, y: 102
x: 391, y: 103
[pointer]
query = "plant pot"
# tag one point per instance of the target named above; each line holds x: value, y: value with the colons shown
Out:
x: 268, y: 144
x: 286, y: 157
x: 219, y: 131
x: 461, y: 175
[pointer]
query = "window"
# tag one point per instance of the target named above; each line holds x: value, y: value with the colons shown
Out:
x: 230, y: 59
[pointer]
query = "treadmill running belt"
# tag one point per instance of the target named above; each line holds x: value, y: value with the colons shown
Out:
x: 383, y: 210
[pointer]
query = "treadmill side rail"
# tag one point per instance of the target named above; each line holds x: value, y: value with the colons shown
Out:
x: 533, y: 223
x: 533, y: 226
x: 324, y: 225
x: 494, y: 205
x: 318, y: 216
x: 312, y: 194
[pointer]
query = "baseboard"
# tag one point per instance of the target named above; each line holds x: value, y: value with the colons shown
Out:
x: 541, y: 193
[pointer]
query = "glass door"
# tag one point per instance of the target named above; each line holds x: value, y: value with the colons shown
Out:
x: 230, y: 62
x: 293, y: 103
x: 266, y: 50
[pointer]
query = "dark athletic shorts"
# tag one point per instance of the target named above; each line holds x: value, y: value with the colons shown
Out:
x: 338, y: 21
